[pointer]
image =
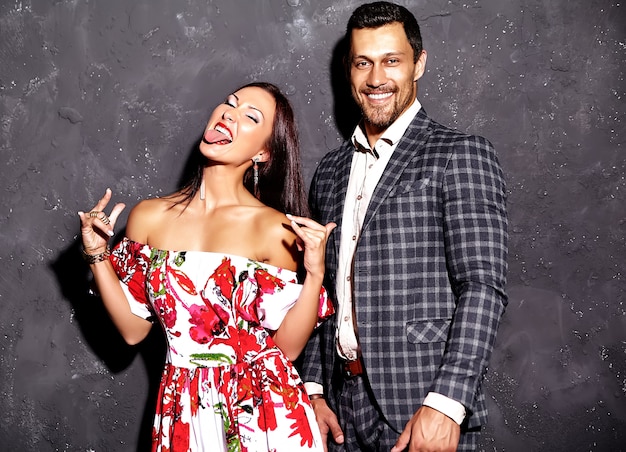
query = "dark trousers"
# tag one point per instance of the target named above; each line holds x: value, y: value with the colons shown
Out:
x: 364, y: 427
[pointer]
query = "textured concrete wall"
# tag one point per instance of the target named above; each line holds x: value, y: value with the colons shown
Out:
x: 114, y: 93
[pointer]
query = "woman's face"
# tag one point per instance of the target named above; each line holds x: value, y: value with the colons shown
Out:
x: 240, y: 128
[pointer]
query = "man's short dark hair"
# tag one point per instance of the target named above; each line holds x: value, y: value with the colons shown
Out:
x: 377, y: 14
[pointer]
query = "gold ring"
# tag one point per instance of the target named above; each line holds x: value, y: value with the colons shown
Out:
x: 104, y: 218
x: 94, y: 213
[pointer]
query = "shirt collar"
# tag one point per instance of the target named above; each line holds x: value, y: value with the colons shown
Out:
x: 391, y: 136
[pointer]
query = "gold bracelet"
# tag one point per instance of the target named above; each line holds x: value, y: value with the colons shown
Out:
x: 95, y: 258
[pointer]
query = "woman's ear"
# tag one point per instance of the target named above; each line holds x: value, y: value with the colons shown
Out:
x: 263, y: 156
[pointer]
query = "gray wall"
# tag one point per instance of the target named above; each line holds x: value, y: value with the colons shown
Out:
x: 115, y: 93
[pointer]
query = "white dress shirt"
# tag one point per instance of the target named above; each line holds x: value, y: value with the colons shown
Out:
x: 367, y: 168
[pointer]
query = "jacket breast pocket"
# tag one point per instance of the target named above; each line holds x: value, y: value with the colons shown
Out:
x: 428, y: 331
x: 411, y: 186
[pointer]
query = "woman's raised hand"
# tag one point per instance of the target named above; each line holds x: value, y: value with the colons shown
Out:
x: 312, y: 238
x: 96, y: 227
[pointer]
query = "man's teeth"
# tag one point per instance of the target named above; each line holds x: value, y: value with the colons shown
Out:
x: 379, y: 96
x: 224, y: 131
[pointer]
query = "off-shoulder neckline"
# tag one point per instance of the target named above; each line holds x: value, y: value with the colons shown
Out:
x: 212, y: 253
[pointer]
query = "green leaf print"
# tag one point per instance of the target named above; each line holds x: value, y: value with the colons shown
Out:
x: 232, y: 440
x: 197, y: 358
x: 180, y: 258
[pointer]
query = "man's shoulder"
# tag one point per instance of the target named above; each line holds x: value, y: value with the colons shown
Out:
x: 331, y: 158
x: 441, y: 134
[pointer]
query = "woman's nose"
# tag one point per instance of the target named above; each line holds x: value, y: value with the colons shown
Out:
x: 228, y: 115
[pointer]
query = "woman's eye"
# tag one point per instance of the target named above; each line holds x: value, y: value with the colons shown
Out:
x: 254, y: 118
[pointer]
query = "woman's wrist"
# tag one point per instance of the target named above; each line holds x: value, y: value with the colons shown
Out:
x: 94, y: 257
x: 315, y: 276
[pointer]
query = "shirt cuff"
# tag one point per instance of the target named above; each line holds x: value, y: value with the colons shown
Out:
x: 451, y: 408
x: 313, y: 388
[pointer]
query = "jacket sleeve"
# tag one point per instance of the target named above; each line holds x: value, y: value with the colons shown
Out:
x: 475, y: 231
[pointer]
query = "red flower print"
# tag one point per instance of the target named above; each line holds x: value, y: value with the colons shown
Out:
x: 267, y: 283
x: 166, y: 306
x: 137, y: 286
x: 244, y: 385
x: 291, y: 396
x: 155, y: 280
x: 166, y: 402
x: 224, y: 277
x: 325, y: 308
x: 193, y: 393
x: 245, y: 301
x: 267, y: 415
x: 249, y: 343
x: 301, y: 426
x: 180, y: 436
x: 239, y: 302
x: 123, y: 259
x: 209, y: 321
x: 131, y: 268
x: 183, y: 281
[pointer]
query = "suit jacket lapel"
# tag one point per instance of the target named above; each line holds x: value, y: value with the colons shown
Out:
x: 408, y: 147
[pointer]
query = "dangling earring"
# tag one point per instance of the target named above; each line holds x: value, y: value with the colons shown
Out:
x: 255, y: 168
x: 202, y: 194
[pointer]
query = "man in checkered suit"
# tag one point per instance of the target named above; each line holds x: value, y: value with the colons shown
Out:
x: 416, y: 265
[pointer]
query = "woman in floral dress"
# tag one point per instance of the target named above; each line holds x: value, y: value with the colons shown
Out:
x: 215, y: 265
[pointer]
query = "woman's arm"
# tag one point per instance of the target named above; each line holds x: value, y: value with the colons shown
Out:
x: 96, y: 230
x: 296, y: 328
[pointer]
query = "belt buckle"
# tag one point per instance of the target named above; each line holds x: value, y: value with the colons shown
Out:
x: 353, y: 368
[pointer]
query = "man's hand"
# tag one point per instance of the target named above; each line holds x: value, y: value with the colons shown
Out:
x: 327, y: 422
x: 428, y: 431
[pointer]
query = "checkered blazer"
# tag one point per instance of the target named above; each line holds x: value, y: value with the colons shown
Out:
x: 429, y: 270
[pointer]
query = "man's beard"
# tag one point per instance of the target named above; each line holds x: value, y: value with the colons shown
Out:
x: 381, y: 117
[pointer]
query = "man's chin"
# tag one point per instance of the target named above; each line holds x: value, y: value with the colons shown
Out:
x: 378, y: 121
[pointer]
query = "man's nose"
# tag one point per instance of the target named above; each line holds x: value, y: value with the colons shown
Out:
x: 377, y: 76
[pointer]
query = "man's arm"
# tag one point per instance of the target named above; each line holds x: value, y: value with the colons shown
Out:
x: 475, y: 231
x: 476, y: 240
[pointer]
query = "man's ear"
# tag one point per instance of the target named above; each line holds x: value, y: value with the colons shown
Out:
x: 420, y: 66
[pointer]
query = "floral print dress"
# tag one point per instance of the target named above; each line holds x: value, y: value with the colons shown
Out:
x: 226, y: 386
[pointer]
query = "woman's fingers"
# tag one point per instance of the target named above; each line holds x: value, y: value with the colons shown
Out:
x: 306, y: 228
x: 117, y: 210
x: 311, y: 224
x: 305, y: 221
x: 103, y: 201
x: 96, y: 225
x: 311, y: 238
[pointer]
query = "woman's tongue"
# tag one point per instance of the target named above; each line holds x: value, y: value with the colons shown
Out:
x: 212, y: 136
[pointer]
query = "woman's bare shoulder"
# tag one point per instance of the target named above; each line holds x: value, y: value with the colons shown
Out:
x: 147, y: 215
x: 280, y: 239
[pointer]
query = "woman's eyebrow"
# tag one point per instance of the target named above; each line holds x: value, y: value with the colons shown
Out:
x: 256, y: 109
x: 250, y: 106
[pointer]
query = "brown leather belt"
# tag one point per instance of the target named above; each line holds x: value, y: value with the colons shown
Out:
x: 353, y: 368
